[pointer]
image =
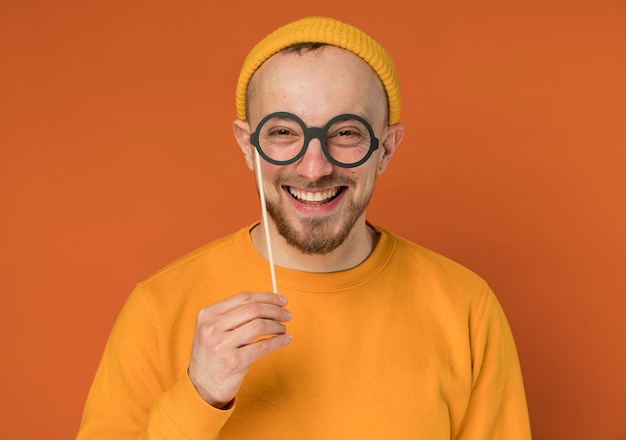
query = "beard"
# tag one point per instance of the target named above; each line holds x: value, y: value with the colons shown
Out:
x: 315, y: 236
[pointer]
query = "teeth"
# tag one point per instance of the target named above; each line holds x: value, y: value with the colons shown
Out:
x: 313, y: 196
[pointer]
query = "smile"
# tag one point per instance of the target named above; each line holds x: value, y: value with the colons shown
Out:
x: 315, y: 197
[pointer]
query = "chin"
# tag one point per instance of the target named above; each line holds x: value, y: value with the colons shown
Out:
x: 317, y: 235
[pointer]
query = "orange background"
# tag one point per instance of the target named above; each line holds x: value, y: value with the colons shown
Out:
x: 117, y: 157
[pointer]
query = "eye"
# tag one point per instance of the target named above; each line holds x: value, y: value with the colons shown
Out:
x: 346, y: 135
x: 346, y: 132
x: 279, y: 132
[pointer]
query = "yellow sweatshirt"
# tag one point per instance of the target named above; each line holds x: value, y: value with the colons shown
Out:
x: 408, y: 345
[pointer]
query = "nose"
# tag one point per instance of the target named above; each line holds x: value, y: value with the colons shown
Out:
x: 314, y: 163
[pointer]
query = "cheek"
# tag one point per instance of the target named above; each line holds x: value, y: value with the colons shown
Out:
x: 270, y: 173
x: 367, y: 178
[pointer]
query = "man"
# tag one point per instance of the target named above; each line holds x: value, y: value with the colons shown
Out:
x: 381, y: 338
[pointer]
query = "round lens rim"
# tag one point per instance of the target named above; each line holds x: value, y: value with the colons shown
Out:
x: 314, y: 132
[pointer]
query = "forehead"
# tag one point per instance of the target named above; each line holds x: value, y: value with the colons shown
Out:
x: 316, y: 85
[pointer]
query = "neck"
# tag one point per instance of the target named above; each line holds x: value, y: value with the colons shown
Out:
x: 356, y: 248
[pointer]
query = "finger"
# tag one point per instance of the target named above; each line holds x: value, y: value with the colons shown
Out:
x: 242, y: 298
x: 250, y: 312
x: 256, y: 350
x: 254, y: 331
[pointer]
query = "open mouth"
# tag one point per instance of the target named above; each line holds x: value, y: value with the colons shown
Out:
x: 315, y: 197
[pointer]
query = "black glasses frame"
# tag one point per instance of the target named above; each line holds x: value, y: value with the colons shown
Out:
x: 312, y: 133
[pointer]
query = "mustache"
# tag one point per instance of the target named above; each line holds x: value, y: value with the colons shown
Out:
x: 322, y: 182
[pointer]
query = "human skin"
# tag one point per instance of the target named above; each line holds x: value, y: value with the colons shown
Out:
x: 222, y: 352
x: 316, y: 86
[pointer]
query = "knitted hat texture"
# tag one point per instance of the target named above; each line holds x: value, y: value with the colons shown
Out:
x: 328, y: 31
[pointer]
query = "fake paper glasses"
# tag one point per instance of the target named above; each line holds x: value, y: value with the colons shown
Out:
x: 282, y: 138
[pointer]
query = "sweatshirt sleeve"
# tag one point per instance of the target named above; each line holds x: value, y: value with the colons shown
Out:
x: 497, y: 405
x: 127, y: 399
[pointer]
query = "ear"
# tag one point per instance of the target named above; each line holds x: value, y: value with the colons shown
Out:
x: 241, y: 131
x: 395, y: 134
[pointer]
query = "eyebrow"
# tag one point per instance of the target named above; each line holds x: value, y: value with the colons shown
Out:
x: 348, y: 118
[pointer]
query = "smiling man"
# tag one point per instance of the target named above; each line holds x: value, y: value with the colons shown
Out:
x: 381, y: 338
x: 317, y: 206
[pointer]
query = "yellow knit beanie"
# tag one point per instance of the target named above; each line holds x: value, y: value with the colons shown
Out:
x: 329, y: 31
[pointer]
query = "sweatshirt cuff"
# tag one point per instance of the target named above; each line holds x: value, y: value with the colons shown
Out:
x: 191, y: 414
